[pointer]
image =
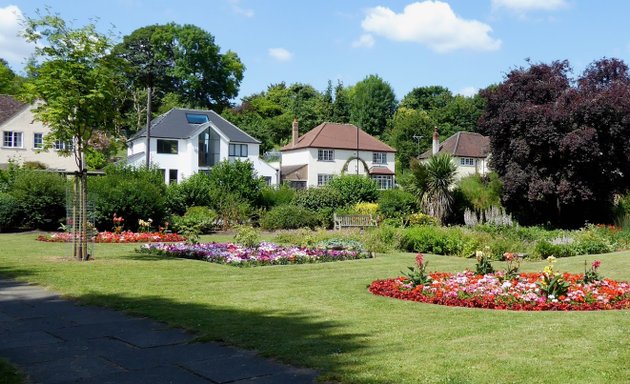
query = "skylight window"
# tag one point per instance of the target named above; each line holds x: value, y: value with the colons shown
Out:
x: 196, y: 118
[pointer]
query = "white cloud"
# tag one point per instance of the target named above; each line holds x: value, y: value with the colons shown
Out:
x: 13, y: 48
x: 522, y: 6
x: 431, y: 23
x: 236, y: 7
x: 365, y: 41
x: 280, y: 54
x: 468, y: 91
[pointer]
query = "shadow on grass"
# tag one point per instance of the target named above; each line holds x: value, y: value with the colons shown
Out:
x: 290, y: 337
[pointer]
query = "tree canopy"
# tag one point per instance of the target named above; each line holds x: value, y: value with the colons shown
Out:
x: 373, y: 104
x: 560, y: 146
x: 182, y: 64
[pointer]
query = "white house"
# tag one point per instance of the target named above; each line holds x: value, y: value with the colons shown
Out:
x: 187, y: 141
x: 332, y: 149
x: 23, y: 138
x: 470, y: 152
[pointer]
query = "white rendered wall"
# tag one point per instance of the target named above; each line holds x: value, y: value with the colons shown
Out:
x: 334, y: 167
x: 25, y: 123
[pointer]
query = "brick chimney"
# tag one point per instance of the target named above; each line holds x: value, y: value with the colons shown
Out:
x: 295, y: 132
x: 436, y: 142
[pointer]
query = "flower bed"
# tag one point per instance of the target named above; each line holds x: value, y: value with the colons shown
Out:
x: 522, y: 291
x: 112, y: 237
x: 265, y: 254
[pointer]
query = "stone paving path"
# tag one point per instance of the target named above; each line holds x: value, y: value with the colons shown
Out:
x: 55, y: 341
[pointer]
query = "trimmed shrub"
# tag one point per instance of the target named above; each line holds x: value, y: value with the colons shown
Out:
x: 273, y: 197
x: 382, y: 239
x: 41, y: 198
x: 191, y: 192
x: 544, y: 249
x: 9, y: 212
x: 318, y: 198
x: 354, y: 188
x: 133, y: 193
x: 396, y: 203
x: 420, y: 219
x: 199, y: 220
x: 289, y: 217
x: 437, y: 240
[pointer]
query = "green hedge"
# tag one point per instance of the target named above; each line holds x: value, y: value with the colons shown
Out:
x: 289, y: 217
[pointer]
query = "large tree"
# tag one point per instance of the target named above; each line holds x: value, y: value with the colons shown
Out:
x: 373, y: 103
x: 560, y: 149
x: 182, y: 64
x: 10, y: 83
x: 76, y: 84
x: 410, y: 133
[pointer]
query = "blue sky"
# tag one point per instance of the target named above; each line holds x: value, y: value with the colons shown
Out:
x: 460, y: 44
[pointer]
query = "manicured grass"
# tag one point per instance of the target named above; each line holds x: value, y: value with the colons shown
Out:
x: 322, y: 316
x: 8, y: 374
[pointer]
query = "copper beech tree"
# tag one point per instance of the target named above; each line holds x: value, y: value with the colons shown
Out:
x: 561, y: 146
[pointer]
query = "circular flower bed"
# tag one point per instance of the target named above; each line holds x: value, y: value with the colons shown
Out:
x: 112, y: 237
x: 265, y: 254
x: 518, y: 291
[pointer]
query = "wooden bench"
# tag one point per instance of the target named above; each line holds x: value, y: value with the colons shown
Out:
x: 353, y: 221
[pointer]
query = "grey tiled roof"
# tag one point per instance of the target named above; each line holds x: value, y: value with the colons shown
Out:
x: 174, y: 125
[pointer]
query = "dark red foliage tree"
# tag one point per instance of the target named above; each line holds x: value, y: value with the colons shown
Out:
x: 561, y: 147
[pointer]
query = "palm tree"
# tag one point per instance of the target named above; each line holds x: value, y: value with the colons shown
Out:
x: 439, y: 175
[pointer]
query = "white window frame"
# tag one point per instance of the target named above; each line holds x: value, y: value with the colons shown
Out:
x: 467, y: 161
x: 14, y: 138
x: 383, y: 181
x: 324, y: 178
x: 38, y: 144
x: 325, y: 155
x: 379, y: 157
x: 59, y: 145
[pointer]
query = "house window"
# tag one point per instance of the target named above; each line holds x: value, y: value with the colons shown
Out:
x: 325, y: 155
x: 172, y: 176
x: 59, y: 145
x: 12, y: 139
x: 167, y: 146
x: 267, y: 180
x: 384, y: 181
x: 196, y: 118
x: 379, y: 157
x: 467, y: 161
x: 323, y: 179
x: 238, y: 150
x: 38, y: 140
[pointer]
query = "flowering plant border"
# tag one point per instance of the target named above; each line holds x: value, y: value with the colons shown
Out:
x: 265, y: 254
x: 112, y: 237
x: 538, y: 291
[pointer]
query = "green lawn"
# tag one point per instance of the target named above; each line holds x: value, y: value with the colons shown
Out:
x: 322, y: 316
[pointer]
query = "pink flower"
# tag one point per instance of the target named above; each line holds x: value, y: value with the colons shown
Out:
x: 419, y: 259
x: 596, y: 264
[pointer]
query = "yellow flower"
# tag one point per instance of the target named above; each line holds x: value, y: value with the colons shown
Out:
x: 551, y: 259
x: 548, y: 270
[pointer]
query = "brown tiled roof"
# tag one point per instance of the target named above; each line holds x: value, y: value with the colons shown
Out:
x: 9, y: 106
x: 464, y: 144
x: 381, y: 171
x: 338, y: 136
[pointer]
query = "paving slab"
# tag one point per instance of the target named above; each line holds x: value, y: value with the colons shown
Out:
x: 56, y: 341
